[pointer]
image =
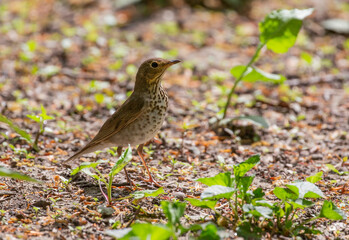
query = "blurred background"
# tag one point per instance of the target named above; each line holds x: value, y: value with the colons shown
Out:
x: 81, y: 56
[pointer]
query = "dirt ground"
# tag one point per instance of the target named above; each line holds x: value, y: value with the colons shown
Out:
x: 97, y: 50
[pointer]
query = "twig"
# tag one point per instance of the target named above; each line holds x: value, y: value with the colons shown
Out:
x: 232, y: 91
x: 104, y: 195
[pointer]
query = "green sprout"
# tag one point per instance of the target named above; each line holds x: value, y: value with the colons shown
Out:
x: 42, y: 120
x: 86, y: 167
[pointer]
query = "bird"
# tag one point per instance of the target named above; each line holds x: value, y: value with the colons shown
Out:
x: 139, y: 118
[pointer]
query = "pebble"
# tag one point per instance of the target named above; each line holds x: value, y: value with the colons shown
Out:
x: 105, y: 211
x: 41, y: 203
x: 179, y: 195
x: 316, y: 156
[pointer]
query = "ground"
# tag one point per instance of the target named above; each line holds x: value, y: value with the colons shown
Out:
x: 79, y: 58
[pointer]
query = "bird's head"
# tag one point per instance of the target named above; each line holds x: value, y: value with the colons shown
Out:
x: 151, y: 71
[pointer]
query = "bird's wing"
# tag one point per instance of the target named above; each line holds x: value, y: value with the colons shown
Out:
x: 125, y: 115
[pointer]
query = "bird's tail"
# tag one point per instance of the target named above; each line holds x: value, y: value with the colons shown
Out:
x: 87, y: 149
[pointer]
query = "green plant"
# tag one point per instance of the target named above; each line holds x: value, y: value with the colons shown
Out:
x: 279, y: 31
x: 250, y: 214
x: 26, y: 136
x: 20, y: 151
x: 4, y: 172
x: 86, y: 167
x: 172, y: 230
x: 334, y: 169
x: 41, y: 119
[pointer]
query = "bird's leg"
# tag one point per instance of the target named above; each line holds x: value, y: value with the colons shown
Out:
x: 153, y: 140
x: 140, y: 153
x: 119, y: 151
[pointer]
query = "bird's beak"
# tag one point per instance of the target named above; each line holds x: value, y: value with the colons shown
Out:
x: 170, y: 63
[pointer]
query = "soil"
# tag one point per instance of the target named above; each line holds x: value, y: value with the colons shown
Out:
x: 308, y: 120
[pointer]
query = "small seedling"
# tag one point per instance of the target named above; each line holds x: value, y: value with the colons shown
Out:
x: 86, y: 167
x: 41, y: 119
x: 334, y: 169
x: 36, y: 210
x: 26, y: 136
x: 4, y: 172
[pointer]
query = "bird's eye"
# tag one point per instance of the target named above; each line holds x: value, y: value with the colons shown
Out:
x: 154, y: 64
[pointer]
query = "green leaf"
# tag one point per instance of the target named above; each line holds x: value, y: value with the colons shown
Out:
x: 88, y: 172
x: 4, y: 172
x: 86, y: 165
x: 34, y: 118
x: 142, y: 231
x: 242, y: 168
x: 258, y: 193
x: 306, y: 57
x: 331, y: 167
x: 280, y: 28
x: 259, y: 120
x: 202, y: 203
x: 99, y: 98
x: 43, y: 114
x: 305, y: 230
x: 148, y: 193
x: 244, y: 183
x: 222, y: 179
x: 258, y: 211
x: 315, y: 178
x: 248, y: 231
x: 278, y: 211
x: 120, y: 233
x: 301, y: 203
x: 305, y: 190
x: 31, y: 45
x: 254, y: 74
x: 125, y: 158
x: 330, y: 211
x: 173, y: 211
x: 288, y: 208
x: 217, y: 192
x: 262, y: 202
x: 15, y: 128
x: 148, y: 231
x: 209, y: 232
x: 284, y: 193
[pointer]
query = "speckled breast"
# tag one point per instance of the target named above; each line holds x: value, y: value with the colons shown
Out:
x: 145, y: 127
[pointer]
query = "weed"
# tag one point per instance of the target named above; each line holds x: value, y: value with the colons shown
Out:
x: 279, y: 31
x: 86, y: 167
x: 41, y: 119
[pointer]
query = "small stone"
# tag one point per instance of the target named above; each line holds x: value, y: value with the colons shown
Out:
x: 316, y: 156
x: 304, y: 153
x: 105, y: 211
x: 179, y: 195
x: 41, y: 203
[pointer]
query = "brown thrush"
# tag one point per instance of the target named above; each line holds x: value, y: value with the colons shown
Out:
x: 139, y: 118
